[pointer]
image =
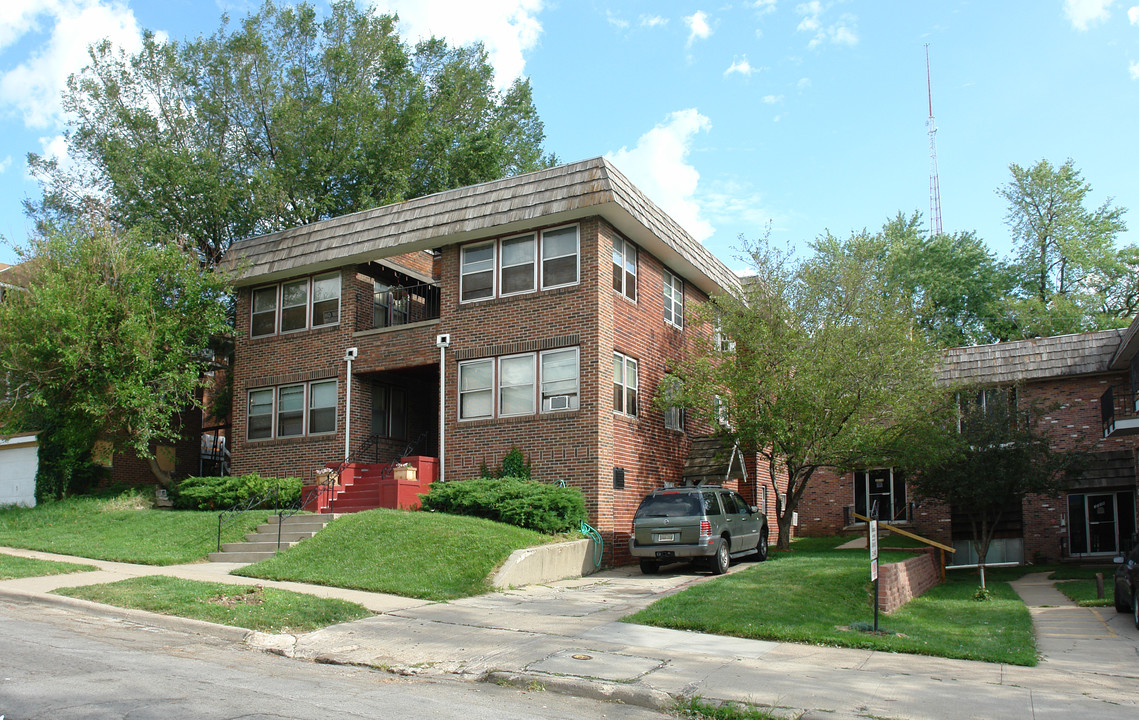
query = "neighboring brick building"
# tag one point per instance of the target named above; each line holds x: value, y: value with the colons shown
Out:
x: 1083, y: 387
x: 554, y: 302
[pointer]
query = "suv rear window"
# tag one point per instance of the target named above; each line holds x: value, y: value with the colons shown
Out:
x: 670, y: 505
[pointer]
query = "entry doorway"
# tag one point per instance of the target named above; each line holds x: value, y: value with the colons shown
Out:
x: 1100, y: 523
x: 884, y: 488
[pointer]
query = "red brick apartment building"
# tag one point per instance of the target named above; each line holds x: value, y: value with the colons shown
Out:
x: 539, y: 311
x: 1083, y: 389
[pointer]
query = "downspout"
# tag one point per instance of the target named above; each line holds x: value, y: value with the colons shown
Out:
x: 349, y: 356
x: 442, y: 342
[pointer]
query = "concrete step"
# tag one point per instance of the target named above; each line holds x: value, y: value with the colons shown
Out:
x: 285, y: 534
x: 240, y: 557
x: 255, y: 546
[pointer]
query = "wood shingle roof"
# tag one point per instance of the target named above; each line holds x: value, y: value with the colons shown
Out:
x: 561, y: 194
x: 1036, y: 359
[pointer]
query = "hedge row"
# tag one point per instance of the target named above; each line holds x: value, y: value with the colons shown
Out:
x: 516, y: 501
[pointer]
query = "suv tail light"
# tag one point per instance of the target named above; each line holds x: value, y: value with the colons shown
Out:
x: 705, y: 527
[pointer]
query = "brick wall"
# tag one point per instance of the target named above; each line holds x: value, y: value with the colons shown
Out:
x: 898, y: 583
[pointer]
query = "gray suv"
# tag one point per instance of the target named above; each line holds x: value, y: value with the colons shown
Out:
x: 696, y: 522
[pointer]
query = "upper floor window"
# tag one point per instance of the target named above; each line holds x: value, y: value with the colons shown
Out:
x: 722, y: 342
x: 673, y: 300
x: 296, y: 305
x: 625, y: 268
x: 624, y: 384
x: 511, y: 266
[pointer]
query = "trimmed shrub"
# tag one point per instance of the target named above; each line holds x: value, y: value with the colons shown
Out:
x: 528, y: 504
x: 223, y: 493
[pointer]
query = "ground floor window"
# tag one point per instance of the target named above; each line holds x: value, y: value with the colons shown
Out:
x: 1100, y: 523
x: 880, y: 494
x: 292, y: 410
x: 527, y: 384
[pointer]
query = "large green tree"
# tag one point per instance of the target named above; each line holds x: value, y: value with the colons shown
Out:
x: 107, y: 341
x: 955, y: 283
x: 279, y: 120
x: 1064, y: 250
x: 826, y: 370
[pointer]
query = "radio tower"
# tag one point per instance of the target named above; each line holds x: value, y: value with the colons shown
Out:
x: 934, y: 186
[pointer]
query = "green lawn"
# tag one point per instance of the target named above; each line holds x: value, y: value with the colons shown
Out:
x: 1083, y: 592
x: 12, y: 567
x: 816, y: 594
x: 254, y: 607
x: 433, y: 556
x: 121, y: 528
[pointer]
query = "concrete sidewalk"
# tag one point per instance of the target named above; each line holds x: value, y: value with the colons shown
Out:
x: 567, y: 636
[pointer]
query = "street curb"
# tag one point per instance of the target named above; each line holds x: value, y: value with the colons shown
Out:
x: 581, y: 687
x: 228, y: 633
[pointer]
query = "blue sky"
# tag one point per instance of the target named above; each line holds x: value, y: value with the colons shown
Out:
x: 808, y: 115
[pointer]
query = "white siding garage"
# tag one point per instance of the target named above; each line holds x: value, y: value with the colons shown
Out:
x: 18, y: 464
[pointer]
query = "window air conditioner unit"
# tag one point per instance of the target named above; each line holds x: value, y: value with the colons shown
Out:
x: 560, y: 402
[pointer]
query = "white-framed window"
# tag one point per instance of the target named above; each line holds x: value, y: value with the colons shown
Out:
x: 624, y: 385
x: 560, y: 257
x: 560, y: 379
x: 259, y: 424
x: 290, y: 411
x: 308, y: 302
x: 264, y: 320
x: 519, y: 264
x: 476, y: 280
x: 476, y: 389
x: 326, y: 299
x: 282, y: 411
x: 322, y: 407
x: 294, y: 305
x: 673, y: 300
x: 625, y: 268
x: 516, y: 375
x: 722, y: 341
x: 674, y: 418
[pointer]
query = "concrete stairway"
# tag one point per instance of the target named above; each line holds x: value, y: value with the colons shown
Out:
x: 262, y: 544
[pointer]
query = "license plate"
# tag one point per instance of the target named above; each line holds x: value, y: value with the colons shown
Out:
x: 664, y: 537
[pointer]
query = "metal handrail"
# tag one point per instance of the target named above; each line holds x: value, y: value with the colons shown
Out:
x: 398, y: 305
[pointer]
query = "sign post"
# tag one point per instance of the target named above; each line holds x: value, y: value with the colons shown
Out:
x: 874, y: 567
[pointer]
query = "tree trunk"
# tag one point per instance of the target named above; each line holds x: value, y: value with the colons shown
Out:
x: 163, y: 477
x: 784, y: 521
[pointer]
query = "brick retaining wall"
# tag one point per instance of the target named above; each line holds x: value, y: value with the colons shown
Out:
x: 898, y: 583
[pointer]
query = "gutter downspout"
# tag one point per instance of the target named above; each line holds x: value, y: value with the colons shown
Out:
x: 349, y: 355
x: 442, y: 342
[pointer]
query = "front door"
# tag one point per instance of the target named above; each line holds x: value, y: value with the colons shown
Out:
x: 883, y: 489
x: 1100, y: 523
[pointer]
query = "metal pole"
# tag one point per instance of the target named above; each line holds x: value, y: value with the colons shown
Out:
x: 219, y: 530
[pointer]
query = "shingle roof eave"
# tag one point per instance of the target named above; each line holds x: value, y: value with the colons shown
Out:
x: 1034, y: 359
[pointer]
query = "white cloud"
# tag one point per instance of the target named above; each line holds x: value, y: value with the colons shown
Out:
x: 741, y: 66
x: 1133, y: 14
x: 33, y: 87
x: 1134, y: 71
x: 658, y: 165
x: 1085, y: 13
x: 615, y: 21
x: 803, y: 83
x: 5, y: 164
x: 843, y: 32
x: 653, y: 21
x: 764, y: 6
x: 772, y: 99
x: 698, y: 27
x: 508, y: 28
x: 736, y: 205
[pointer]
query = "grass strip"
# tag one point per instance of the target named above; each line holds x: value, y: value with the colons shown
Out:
x: 432, y: 556
x: 121, y: 528
x: 13, y: 566
x: 254, y: 607
x: 818, y: 595
x: 699, y: 709
x: 1083, y: 592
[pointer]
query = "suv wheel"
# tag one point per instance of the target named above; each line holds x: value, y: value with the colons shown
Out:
x: 649, y: 567
x: 721, y: 560
x: 1120, y: 594
x: 761, y: 547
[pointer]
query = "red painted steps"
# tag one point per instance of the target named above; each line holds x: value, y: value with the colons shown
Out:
x: 365, y: 486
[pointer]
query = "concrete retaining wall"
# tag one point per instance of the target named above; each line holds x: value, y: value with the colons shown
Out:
x: 898, y: 583
x: 546, y: 563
